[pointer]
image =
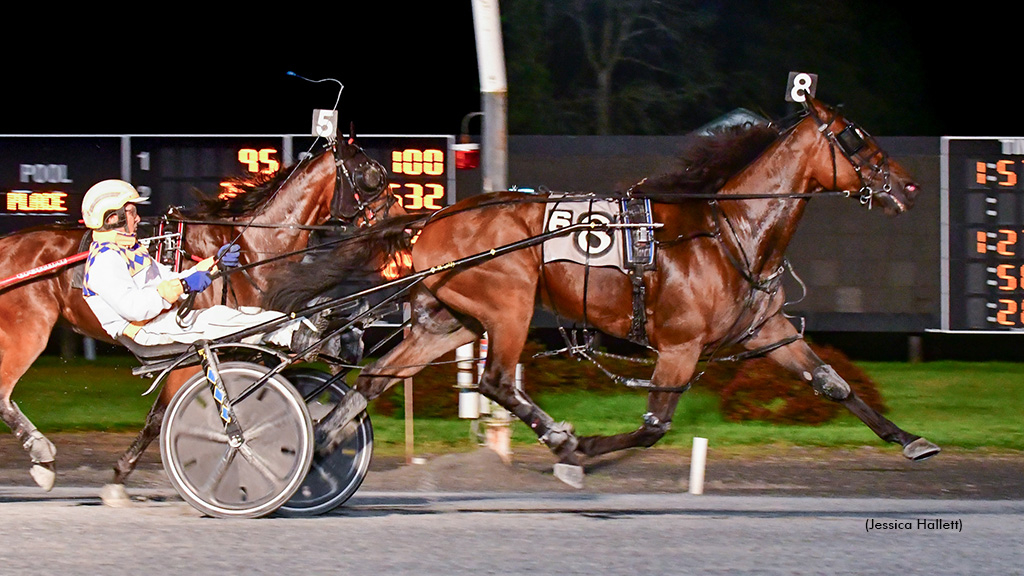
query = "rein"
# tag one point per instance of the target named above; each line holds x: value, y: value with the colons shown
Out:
x: 232, y: 223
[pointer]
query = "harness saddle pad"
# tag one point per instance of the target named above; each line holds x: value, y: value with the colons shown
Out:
x: 591, y: 247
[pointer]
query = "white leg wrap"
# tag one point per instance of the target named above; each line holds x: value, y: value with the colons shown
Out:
x: 43, y: 454
x: 39, y: 447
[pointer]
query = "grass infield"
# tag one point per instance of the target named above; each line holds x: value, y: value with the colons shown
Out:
x: 954, y: 404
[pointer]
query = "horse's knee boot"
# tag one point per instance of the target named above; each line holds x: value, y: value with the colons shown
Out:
x: 826, y: 381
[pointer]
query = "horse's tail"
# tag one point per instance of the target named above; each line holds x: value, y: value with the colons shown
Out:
x: 359, y: 259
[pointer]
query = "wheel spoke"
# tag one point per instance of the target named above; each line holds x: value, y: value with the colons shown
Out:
x: 258, y: 463
x: 218, y: 473
x: 327, y: 476
x: 272, y: 424
x: 217, y: 436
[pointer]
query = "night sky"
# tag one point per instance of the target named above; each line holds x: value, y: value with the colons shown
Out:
x: 405, y: 70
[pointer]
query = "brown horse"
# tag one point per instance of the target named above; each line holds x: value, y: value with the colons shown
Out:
x: 716, y: 279
x: 269, y: 218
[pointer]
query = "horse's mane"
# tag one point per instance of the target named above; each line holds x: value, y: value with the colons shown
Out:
x: 248, y: 195
x: 356, y: 259
x: 709, y: 158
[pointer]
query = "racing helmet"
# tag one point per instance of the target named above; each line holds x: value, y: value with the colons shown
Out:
x: 104, y: 197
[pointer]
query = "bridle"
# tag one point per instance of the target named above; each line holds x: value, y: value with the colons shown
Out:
x: 367, y: 181
x: 859, y: 149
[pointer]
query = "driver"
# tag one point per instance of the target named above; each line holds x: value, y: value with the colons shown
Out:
x: 135, y: 297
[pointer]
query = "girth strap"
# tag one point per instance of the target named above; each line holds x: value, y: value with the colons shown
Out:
x: 640, y: 249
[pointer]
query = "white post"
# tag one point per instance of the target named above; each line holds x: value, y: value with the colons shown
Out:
x: 493, y: 93
x: 499, y: 425
x: 469, y: 401
x: 698, y: 461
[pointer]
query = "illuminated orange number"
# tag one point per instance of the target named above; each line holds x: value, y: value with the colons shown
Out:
x: 267, y: 157
x: 413, y: 162
x: 1004, y: 168
x: 1004, y: 271
x: 433, y: 162
x: 415, y: 197
x: 251, y: 159
x: 255, y: 160
x: 1009, y: 309
x: 980, y: 169
x: 408, y: 161
x: 436, y: 193
x: 981, y: 241
x: 1005, y: 247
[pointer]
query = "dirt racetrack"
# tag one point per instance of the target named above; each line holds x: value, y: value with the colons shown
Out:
x: 86, y: 459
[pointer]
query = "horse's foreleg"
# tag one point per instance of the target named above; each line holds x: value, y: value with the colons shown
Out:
x: 798, y: 358
x: 673, y: 371
x: 39, y: 448
x: 114, y: 494
x: 19, y: 351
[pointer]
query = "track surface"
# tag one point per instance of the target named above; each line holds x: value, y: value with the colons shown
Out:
x: 86, y: 459
x: 777, y: 511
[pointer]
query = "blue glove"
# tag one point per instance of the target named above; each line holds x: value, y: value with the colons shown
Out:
x: 197, y: 281
x: 227, y: 255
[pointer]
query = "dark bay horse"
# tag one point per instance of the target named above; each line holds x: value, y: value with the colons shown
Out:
x: 270, y: 217
x: 716, y: 279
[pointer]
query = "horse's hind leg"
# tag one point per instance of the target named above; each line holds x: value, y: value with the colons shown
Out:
x: 114, y: 494
x: 15, y: 360
x: 434, y: 332
x: 673, y: 371
x: 506, y: 338
x: 802, y: 361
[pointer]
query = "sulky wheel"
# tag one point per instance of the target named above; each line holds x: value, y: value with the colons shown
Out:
x: 335, y: 477
x: 245, y: 479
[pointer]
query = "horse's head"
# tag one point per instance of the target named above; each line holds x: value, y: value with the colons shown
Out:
x: 361, y: 182
x: 867, y: 171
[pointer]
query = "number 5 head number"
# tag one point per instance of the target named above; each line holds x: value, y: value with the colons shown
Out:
x: 325, y: 124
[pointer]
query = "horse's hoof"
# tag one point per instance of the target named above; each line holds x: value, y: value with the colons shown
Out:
x: 920, y: 449
x: 571, y: 474
x: 115, y: 496
x: 44, y: 473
